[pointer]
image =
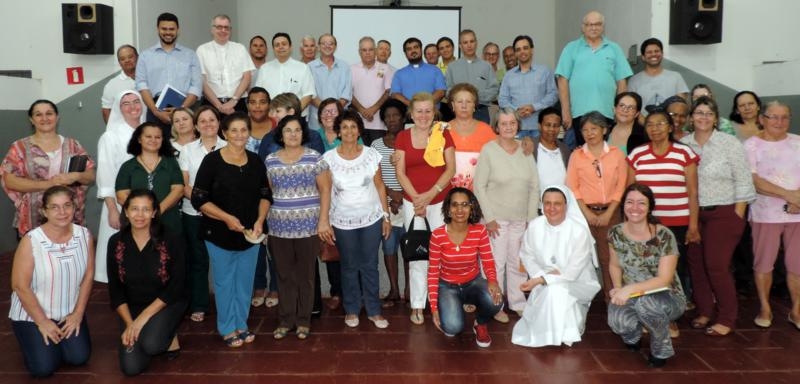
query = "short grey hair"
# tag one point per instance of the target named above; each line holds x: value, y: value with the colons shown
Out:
x: 508, y: 111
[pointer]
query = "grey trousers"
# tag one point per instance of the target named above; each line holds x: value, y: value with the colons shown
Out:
x: 653, y: 312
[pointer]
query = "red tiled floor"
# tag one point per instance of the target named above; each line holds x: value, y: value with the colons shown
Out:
x: 410, y: 354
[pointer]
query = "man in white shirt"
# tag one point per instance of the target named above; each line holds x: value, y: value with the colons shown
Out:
x: 331, y: 78
x: 285, y: 74
x: 226, y: 67
x: 126, y: 57
x: 372, y: 81
x: 656, y: 84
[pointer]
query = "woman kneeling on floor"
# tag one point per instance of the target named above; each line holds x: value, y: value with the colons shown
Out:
x: 146, y: 272
x: 647, y: 292
x: 454, y: 274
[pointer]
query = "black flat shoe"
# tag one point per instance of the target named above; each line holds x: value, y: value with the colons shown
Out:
x: 654, y: 362
x: 172, y: 355
x: 635, y: 347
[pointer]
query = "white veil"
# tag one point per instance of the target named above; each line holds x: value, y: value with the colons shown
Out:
x: 574, y: 214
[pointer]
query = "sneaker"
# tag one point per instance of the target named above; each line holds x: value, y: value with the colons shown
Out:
x: 482, y: 337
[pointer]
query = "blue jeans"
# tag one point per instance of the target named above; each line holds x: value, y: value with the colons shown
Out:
x: 260, y: 281
x: 452, y: 298
x: 534, y: 133
x: 391, y: 246
x: 359, y: 253
x: 42, y: 360
x: 233, y: 285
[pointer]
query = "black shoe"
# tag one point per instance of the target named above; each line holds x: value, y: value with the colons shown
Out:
x: 172, y: 355
x: 634, y: 347
x: 316, y: 313
x: 654, y: 362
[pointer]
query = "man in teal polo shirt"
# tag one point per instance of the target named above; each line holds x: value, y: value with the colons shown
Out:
x: 591, y: 71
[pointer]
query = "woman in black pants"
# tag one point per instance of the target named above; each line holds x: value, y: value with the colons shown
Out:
x: 145, y: 282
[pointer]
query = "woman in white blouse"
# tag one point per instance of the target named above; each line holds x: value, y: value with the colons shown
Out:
x: 51, y: 279
x: 725, y: 187
x: 207, y: 123
x: 359, y: 217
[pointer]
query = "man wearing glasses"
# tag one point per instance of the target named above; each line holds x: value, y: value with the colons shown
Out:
x: 590, y: 71
x: 226, y: 67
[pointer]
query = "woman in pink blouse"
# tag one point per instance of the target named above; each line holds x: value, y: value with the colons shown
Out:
x: 40, y: 161
x: 776, y: 211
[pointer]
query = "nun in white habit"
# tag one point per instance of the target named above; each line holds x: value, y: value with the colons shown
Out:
x: 112, y: 151
x: 559, y: 256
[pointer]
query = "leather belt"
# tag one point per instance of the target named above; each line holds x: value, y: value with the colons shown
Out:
x: 598, y: 207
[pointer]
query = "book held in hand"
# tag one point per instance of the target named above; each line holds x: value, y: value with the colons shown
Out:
x: 170, y: 98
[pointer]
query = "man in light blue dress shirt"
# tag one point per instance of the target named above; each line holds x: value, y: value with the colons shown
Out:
x: 527, y: 88
x: 167, y: 63
x: 332, y: 78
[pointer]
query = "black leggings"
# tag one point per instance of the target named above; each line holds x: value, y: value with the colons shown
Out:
x: 154, y: 339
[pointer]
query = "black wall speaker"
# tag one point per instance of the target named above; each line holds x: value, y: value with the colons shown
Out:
x: 695, y: 21
x: 88, y: 28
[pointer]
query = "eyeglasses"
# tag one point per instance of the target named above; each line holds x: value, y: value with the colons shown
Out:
x: 126, y: 104
x: 778, y: 118
x: 626, y: 107
x: 329, y: 112
x: 703, y: 114
x: 657, y: 124
x: 222, y: 27
x: 61, y: 208
x: 492, y: 54
x: 463, y: 204
x: 593, y: 25
x: 597, y: 170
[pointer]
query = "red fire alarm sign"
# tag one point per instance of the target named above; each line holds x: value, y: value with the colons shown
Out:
x: 75, y: 75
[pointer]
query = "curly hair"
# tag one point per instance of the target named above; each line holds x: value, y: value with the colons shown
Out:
x: 475, y: 213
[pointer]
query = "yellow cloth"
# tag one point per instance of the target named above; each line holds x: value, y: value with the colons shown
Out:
x: 434, y: 151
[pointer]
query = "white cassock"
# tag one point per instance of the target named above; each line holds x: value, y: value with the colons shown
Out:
x: 556, y: 313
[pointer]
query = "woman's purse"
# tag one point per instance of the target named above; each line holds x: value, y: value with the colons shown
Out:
x: 415, y: 242
x: 328, y: 252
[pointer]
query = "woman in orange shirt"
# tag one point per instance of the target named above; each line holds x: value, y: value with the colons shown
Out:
x: 469, y: 134
x: 597, y: 175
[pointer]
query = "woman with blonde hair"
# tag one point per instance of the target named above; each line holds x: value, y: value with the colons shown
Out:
x: 425, y: 156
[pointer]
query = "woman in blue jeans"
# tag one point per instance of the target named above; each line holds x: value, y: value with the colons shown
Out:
x: 359, y: 217
x: 51, y: 279
x: 458, y: 249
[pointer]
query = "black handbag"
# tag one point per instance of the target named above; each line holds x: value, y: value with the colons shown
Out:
x: 415, y: 242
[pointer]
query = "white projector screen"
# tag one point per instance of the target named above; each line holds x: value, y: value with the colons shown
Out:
x: 350, y: 23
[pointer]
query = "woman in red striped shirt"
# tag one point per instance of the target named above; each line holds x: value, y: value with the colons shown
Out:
x: 454, y: 271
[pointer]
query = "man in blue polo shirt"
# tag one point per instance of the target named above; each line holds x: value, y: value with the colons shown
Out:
x: 591, y: 71
x: 417, y: 76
